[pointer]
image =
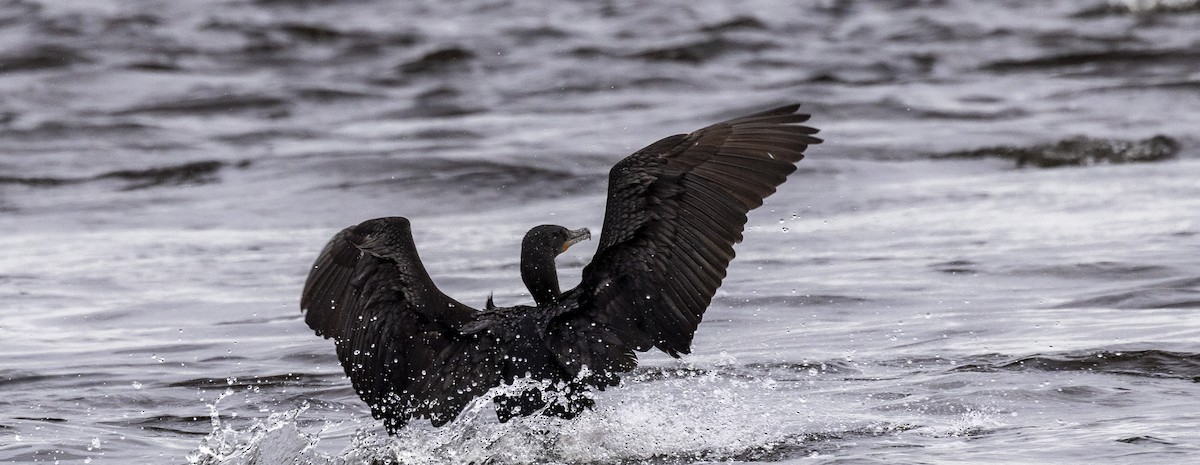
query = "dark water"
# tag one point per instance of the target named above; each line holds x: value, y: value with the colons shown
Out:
x: 168, y: 171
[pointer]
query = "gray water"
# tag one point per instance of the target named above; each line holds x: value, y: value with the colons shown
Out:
x: 169, y: 170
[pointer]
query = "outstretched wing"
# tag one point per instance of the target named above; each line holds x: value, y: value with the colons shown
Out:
x: 397, y: 335
x: 675, y: 210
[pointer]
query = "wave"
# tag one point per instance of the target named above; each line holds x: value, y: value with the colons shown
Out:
x: 53, y: 130
x: 1079, y: 151
x: 40, y: 57
x: 1174, y: 293
x: 265, y: 381
x: 1148, y: 363
x: 964, y: 267
x: 781, y: 371
x: 209, y: 102
x: 1103, y: 63
x: 442, y: 176
x: 737, y: 23
x: 800, y: 301
x: 445, y: 60
x: 699, y: 51
x: 200, y: 172
x: 1101, y: 271
x: 13, y: 379
x: 186, y: 425
x: 1140, y: 7
x: 192, y: 173
x: 287, y: 42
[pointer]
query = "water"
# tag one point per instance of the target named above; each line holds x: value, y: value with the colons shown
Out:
x: 169, y: 170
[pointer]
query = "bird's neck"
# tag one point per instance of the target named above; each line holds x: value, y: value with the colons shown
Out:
x: 540, y: 276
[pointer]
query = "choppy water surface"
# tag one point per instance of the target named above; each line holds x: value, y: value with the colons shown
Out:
x: 169, y: 170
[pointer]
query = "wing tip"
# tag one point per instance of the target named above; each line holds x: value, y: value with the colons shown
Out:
x: 788, y: 109
x: 786, y: 115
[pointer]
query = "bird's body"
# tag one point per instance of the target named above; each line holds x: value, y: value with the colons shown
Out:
x: 675, y: 210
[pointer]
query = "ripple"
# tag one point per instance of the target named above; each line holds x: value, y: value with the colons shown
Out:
x: 200, y: 172
x: 1139, y: 7
x: 280, y: 380
x: 40, y: 57
x: 469, y: 177
x: 955, y: 267
x: 739, y: 23
x: 1145, y: 440
x: 700, y: 51
x: 1148, y: 363
x: 446, y: 60
x: 213, y: 103
x: 1103, y: 63
x: 797, y: 301
x: 192, y: 173
x: 1079, y: 151
x: 190, y: 425
x: 1176, y: 293
x: 1104, y: 270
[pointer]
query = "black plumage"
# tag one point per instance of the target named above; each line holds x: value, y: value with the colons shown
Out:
x: 675, y: 210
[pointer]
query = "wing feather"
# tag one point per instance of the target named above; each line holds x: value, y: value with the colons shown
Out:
x: 397, y: 336
x: 675, y: 210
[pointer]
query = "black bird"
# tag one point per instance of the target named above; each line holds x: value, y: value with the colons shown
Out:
x: 675, y: 210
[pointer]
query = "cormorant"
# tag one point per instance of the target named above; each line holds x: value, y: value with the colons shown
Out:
x: 675, y: 209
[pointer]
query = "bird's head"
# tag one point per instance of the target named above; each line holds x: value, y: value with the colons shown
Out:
x: 538, y: 249
x: 553, y: 239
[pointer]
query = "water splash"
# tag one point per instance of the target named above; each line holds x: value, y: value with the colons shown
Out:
x: 709, y: 416
x: 274, y: 440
